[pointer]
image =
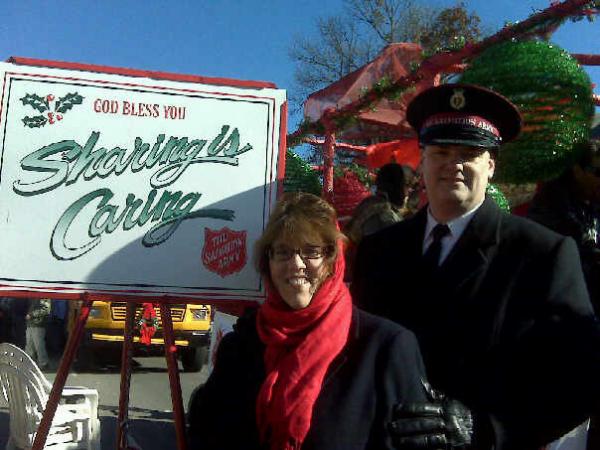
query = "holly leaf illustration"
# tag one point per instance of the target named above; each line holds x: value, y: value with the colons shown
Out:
x: 65, y: 103
x: 36, y: 102
x: 34, y: 121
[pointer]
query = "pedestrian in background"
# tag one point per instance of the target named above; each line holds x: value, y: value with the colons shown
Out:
x: 18, y: 311
x: 570, y: 205
x: 35, y: 332
x: 386, y: 207
x: 5, y: 322
x: 56, y: 328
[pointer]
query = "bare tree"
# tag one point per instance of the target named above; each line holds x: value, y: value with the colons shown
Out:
x: 339, y: 49
x: 345, y: 42
x: 391, y: 20
x: 348, y: 41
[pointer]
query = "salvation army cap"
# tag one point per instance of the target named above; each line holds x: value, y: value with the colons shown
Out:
x: 463, y: 114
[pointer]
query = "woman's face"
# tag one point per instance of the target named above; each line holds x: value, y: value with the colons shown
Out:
x: 296, y: 272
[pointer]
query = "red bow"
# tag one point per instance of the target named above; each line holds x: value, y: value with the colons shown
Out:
x: 148, y: 323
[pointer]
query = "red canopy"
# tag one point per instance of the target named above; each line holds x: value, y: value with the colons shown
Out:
x: 405, y: 152
x: 387, y: 119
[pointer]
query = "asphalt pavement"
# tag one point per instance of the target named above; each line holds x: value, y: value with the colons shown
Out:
x: 150, y: 407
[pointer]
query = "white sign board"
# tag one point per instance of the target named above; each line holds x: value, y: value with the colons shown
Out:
x: 117, y: 184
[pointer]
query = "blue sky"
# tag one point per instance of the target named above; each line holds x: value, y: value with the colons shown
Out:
x: 245, y: 39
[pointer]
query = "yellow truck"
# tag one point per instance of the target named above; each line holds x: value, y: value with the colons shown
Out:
x: 105, y: 327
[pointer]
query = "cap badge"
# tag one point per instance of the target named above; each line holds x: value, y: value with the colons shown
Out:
x: 458, y: 101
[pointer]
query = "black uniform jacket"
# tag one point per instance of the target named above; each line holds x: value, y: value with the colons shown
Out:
x: 379, y: 367
x: 505, y: 325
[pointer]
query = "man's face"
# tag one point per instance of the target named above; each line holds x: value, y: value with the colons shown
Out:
x: 455, y: 178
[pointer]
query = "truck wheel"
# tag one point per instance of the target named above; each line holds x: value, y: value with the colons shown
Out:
x: 86, y: 356
x: 192, y: 359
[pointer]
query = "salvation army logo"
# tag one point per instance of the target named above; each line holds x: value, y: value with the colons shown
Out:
x: 51, y: 111
x: 458, y: 100
x: 224, y: 251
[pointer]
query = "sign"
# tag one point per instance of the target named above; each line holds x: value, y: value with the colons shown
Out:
x: 118, y: 184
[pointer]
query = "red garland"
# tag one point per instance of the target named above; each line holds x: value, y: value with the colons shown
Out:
x: 348, y: 192
x: 536, y: 24
x: 148, y: 323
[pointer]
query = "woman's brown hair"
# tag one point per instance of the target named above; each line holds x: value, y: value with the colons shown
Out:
x: 299, y: 218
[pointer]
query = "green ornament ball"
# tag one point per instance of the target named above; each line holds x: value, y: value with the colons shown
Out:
x: 299, y: 176
x: 554, y: 95
x: 496, y: 194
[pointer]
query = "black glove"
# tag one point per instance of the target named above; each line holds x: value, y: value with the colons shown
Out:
x: 442, y: 423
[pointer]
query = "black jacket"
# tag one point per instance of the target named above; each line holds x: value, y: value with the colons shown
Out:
x: 379, y: 367
x: 505, y: 326
x: 558, y: 207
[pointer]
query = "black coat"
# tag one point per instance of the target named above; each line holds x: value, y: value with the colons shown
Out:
x: 379, y: 367
x: 558, y: 206
x: 506, y: 325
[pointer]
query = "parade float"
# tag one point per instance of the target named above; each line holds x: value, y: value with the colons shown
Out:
x: 363, y: 112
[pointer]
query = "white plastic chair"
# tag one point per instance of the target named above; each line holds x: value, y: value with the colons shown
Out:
x: 576, y: 439
x: 25, y: 389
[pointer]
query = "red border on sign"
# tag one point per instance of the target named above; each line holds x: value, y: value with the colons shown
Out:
x: 22, y: 61
x: 282, y: 149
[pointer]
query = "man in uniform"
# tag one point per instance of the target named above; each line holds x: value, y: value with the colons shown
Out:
x: 498, y: 303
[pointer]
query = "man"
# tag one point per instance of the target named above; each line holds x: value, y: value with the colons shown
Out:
x: 18, y: 311
x: 35, y: 332
x: 5, y: 324
x: 379, y: 211
x: 570, y: 205
x: 56, y: 328
x: 498, y: 303
x: 386, y: 207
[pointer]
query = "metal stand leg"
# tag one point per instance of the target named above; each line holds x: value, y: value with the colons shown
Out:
x: 170, y: 355
x: 122, y: 422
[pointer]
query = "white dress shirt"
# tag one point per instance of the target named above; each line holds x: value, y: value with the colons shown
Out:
x: 457, y: 227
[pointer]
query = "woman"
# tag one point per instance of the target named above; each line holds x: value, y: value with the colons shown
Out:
x: 306, y: 369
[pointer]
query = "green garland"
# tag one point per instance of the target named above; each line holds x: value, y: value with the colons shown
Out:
x: 496, y: 194
x: 299, y: 176
x: 554, y: 95
x: 542, y: 22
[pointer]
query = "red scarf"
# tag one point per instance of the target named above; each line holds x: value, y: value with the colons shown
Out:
x: 300, y: 346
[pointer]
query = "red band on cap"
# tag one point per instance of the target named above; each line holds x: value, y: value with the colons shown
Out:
x: 461, y: 119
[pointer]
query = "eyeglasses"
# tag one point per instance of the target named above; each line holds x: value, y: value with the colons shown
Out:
x: 281, y: 254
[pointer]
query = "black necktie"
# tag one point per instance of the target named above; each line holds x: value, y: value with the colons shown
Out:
x: 431, y: 258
